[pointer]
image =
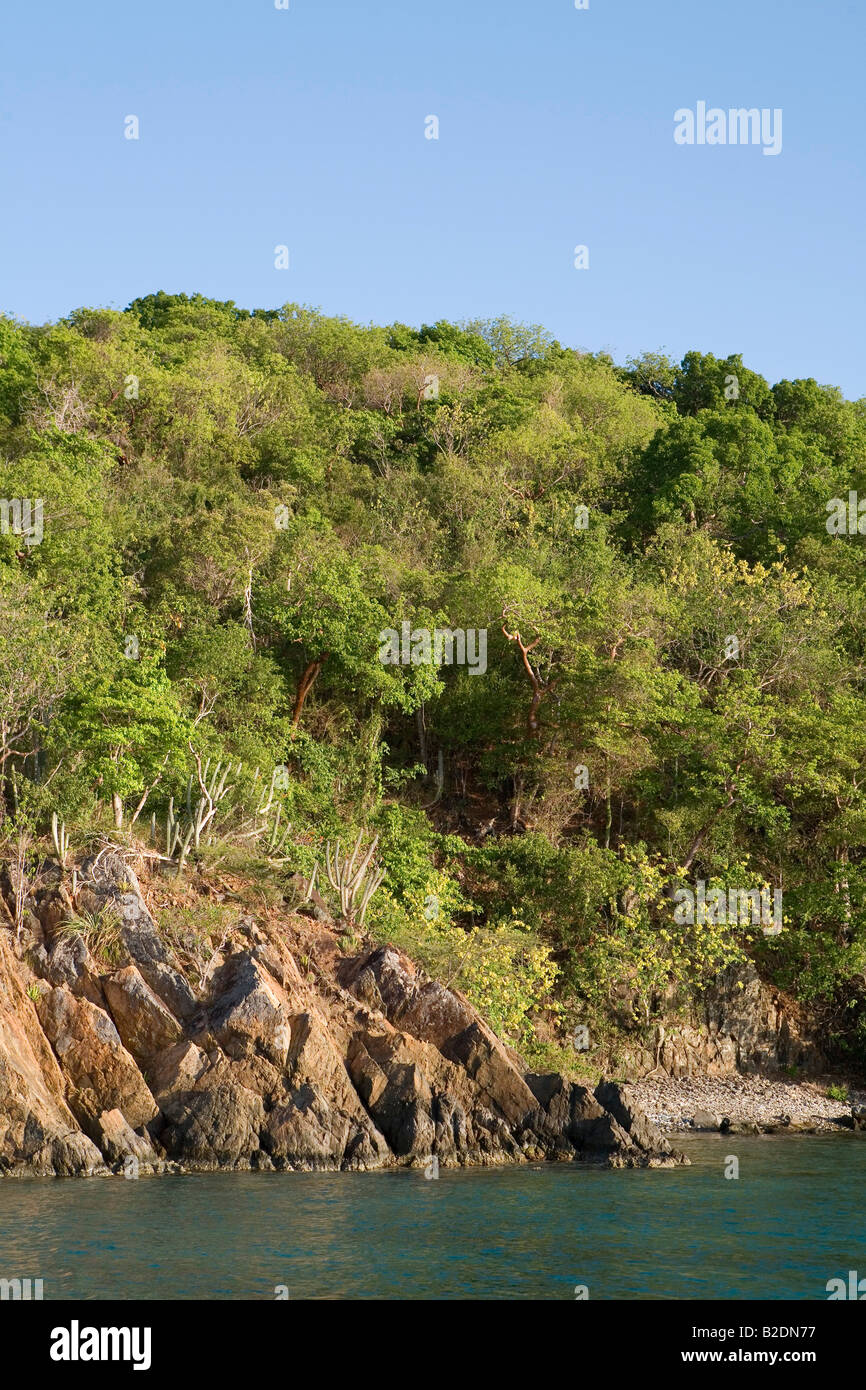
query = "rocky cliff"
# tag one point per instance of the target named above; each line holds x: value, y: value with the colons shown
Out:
x: 286, y: 1054
x: 739, y: 1026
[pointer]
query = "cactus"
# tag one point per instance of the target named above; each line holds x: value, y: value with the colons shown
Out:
x: 212, y: 793
x: 278, y: 837
x: 60, y: 837
x: 348, y: 881
x: 311, y: 885
x: 267, y: 799
x: 197, y: 826
x: 175, y: 841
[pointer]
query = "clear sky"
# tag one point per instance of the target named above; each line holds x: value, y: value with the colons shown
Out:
x: 306, y: 127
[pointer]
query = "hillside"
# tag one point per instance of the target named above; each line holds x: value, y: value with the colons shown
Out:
x: 569, y: 647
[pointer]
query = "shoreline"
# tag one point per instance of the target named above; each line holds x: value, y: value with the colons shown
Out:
x: 736, y: 1105
x: 749, y: 1104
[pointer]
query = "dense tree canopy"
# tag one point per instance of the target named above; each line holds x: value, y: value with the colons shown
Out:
x: 237, y: 504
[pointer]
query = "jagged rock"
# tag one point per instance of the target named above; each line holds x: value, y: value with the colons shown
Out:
x: 741, y: 1026
x: 322, y: 1116
x: 442, y: 1017
x: 146, y: 1027
x: 69, y: 962
x: 396, y: 1092
x: 488, y: 1064
x: 621, y: 1102
x: 178, y: 1069
x: 100, y: 1073
x: 348, y: 1064
x: 39, y: 1135
x: 366, y: 988
x: 570, y: 1113
x: 307, y: 1115
x: 425, y: 1104
x: 52, y: 910
x: 218, y: 1126
x: 251, y: 1014
x: 108, y: 881
x: 766, y: 1036
x: 451, y: 1128
x: 118, y: 1140
x: 71, y: 1156
x: 280, y: 964
x: 307, y: 1132
x: 606, y: 1126
x: 426, y: 1010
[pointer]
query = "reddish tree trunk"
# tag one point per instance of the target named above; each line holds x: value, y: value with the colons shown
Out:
x: 305, y: 685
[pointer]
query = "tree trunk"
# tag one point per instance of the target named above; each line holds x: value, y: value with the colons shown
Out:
x: 422, y: 734
x: 608, y: 812
x: 305, y: 685
x: 516, y: 801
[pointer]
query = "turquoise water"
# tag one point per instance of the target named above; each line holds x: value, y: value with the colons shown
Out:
x: 791, y: 1221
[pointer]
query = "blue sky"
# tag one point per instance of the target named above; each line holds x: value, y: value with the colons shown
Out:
x: 305, y: 127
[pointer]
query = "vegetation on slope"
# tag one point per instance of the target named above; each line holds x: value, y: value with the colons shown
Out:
x: 237, y: 506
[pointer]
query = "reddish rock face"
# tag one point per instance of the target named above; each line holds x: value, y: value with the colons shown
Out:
x: 38, y: 1132
x: 100, y: 1073
x: 357, y: 1064
x: 146, y: 1027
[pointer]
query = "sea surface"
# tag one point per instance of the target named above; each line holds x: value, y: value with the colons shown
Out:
x: 791, y: 1220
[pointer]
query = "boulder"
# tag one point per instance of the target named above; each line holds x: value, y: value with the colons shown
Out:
x: 100, y: 1074
x: 118, y: 1141
x: 146, y: 1026
x: 250, y: 1015
x: 69, y: 963
x: 705, y: 1119
x: 107, y: 880
x: 729, y: 1126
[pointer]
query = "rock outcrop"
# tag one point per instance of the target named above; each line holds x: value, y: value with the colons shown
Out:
x: 292, y: 1056
x: 742, y: 1026
x: 38, y: 1132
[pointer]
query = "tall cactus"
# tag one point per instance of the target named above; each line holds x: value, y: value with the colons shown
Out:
x: 60, y: 838
x: 175, y: 840
x: 277, y: 839
x: 348, y: 880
